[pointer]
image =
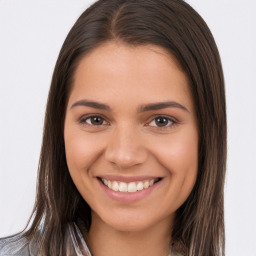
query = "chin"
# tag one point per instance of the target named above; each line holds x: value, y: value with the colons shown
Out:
x: 132, y: 221
x: 129, y: 226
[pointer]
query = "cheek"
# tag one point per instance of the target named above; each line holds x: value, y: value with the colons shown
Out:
x: 81, y: 154
x: 81, y: 150
x: 179, y: 155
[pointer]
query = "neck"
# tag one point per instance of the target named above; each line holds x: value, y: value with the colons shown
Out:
x: 107, y: 241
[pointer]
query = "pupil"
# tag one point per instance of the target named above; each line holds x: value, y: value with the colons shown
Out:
x: 96, y: 120
x: 161, y: 121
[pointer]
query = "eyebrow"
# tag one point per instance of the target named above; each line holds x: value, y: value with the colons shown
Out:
x: 92, y: 104
x: 162, y: 105
x: 143, y: 108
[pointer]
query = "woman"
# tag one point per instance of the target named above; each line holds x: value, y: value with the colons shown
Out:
x: 134, y: 146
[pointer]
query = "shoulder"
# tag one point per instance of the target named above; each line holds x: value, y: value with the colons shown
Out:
x: 18, y: 245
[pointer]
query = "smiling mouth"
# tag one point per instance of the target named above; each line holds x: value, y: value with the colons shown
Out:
x: 130, y: 187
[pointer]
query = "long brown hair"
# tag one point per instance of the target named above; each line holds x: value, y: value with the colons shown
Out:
x: 174, y: 25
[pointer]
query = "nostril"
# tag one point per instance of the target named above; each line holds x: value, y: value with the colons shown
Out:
x: 125, y: 148
x: 125, y: 158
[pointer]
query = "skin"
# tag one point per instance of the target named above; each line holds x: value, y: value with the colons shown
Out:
x: 129, y: 142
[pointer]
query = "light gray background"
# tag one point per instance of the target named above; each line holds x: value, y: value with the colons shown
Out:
x: 31, y: 34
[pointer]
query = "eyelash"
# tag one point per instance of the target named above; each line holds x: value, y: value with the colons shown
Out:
x: 171, y: 121
x: 85, y: 118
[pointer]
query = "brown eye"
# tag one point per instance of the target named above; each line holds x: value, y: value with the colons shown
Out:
x: 161, y: 121
x: 94, y: 120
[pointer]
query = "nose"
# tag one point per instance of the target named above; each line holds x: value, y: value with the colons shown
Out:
x: 125, y: 148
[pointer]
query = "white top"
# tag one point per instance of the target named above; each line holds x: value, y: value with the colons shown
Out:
x: 75, y: 244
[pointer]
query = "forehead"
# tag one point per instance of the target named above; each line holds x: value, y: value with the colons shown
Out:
x: 112, y: 70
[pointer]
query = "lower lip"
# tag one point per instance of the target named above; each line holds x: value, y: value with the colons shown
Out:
x: 129, y: 197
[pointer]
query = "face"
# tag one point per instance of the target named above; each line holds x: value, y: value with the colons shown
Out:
x: 131, y: 135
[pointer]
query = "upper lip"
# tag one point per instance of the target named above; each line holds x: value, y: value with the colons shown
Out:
x: 127, y: 178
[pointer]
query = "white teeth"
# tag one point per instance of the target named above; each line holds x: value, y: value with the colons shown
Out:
x: 140, y: 186
x: 115, y: 186
x: 146, y: 184
x: 123, y: 187
x: 130, y: 187
x: 109, y: 184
